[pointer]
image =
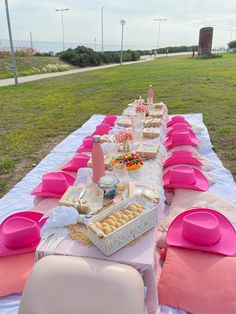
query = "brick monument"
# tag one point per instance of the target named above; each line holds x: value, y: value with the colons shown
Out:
x: 205, y: 41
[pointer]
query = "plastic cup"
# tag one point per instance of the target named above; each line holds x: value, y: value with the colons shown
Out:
x: 95, y: 197
x: 121, y: 172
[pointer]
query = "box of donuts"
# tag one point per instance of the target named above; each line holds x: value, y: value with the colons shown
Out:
x: 122, y: 223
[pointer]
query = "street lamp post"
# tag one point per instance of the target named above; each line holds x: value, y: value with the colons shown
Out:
x: 158, y: 32
x: 31, y: 41
x: 122, y: 22
x: 11, y: 44
x: 102, y: 25
x: 62, y: 25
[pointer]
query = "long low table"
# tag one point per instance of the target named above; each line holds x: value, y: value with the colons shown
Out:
x: 139, y: 255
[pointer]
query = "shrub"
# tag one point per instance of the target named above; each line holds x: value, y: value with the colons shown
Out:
x: 44, y: 54
x: 19, y: 52
x: 232, y: 44
x: 24, y: 52
x: 83, y: 57
x: 209, y: 56
x: 54, y: 68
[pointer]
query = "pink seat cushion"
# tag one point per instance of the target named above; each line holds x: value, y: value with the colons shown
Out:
x: 14, y: 271
x: 198, y: 282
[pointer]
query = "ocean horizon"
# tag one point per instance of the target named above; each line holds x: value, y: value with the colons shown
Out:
x: 47, y: 46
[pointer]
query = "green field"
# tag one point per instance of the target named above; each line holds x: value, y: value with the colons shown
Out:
x: 32, y: 65
x: 35, y: 116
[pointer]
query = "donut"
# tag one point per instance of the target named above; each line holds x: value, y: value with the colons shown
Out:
x: 113, y: 228
x: 112, y: 217
x: 117, y: 215
x: 110, y: 222
x: 136, y: 214
x: 117, y: 224
x: 107, y: 230
x: 105, y: 225
x: 125, y: 217
x: 122, y: 221
x: 98, y: 225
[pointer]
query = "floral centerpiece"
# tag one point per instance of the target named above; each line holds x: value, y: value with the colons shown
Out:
x: 141, y: 108
x: 124, y: 137
x: 131, y: 160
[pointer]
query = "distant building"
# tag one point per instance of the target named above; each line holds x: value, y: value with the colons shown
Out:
x: 205, y: 41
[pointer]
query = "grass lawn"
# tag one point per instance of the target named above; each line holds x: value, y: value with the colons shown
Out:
x: 35, y: 116
x: 30, y: 65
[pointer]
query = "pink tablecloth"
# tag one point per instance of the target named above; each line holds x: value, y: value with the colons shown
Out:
x: 140, y: 256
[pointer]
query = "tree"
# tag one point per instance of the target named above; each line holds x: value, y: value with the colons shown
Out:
x: 232, y: 44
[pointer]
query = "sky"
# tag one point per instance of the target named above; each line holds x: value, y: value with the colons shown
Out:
x: 82, y: 23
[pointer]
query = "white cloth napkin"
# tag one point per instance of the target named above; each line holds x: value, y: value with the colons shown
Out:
x: 58, y: 217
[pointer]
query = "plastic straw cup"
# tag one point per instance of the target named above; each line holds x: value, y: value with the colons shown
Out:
x: 137, y: 121
x: 95, y: 197
x: 121, y: 172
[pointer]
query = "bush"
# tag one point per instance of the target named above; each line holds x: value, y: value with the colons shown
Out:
x: 209, y: 56
x: 19, y: 52
x: 170, y: 49
x: 54, y: 68
x: 232, y: 44
x: 83, y: 57
x: 24, y: 52
x: 44, y: 54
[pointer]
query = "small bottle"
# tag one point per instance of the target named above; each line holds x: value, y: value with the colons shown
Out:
x: 98, y: 166
x: 150, y: 95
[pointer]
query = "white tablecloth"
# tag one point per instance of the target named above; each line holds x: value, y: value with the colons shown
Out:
x: 19, y: 198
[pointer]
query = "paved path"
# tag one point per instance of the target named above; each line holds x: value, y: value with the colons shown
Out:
x: 36, y: 77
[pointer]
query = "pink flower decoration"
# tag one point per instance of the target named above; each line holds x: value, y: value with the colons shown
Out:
x: 141, y: 108
x: 124, y: 136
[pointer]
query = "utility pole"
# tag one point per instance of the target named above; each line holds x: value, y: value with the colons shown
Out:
x: 62, y: 26
x: 102, y: 25
x: 11, y: 44
x: 158, y: 31
x: 122, y: 22
x: 31, y: 41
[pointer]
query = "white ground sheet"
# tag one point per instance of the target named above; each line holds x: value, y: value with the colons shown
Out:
x: 19, y: 198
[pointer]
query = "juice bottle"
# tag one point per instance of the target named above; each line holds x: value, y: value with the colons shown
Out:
x: 98, y: 166
x: 150, y: 95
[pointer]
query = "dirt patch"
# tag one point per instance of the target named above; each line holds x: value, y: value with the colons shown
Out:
x: 24, y: 166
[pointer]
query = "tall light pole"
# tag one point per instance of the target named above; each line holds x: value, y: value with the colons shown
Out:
x: 102, y: 24
x: 62, y: 25
x: 31, y: 41
x: 158, y: 31
x: 11, y: 44
x: 122, y: 22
